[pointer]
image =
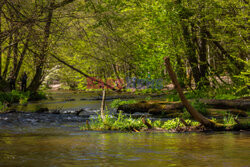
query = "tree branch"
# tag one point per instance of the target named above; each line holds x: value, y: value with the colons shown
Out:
x: 84, y: 74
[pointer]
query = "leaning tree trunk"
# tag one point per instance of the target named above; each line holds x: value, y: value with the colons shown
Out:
x: 194, y: 113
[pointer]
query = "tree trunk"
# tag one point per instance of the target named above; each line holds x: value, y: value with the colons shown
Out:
x: 190, y: 48
x: 191, y: 54
x: 37, y: 80
x: 21, y: 59
x: 195, y: 114
x: 224, y: 52
x: 203, y: 58
x: 15, y: 53
x: 8, y: 58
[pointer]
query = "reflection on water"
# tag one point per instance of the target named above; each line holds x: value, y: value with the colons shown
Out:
x: 60, y: 147
x: 62, y: 100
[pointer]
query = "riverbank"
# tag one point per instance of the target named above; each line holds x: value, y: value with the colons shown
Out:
x: 87, y: 105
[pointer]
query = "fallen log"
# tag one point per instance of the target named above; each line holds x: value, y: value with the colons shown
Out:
x: 152, y: 107
x: 242, y: 104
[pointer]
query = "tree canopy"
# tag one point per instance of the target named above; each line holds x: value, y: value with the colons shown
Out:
x: 207, y: 41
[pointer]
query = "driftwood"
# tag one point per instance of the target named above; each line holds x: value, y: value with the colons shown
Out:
x: 242, y: 104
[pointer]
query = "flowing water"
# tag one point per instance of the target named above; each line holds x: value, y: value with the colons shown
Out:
x: 44, y: 140
x: 44, y: 147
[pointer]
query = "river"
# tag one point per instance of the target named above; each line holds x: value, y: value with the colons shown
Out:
x: 48, y: 140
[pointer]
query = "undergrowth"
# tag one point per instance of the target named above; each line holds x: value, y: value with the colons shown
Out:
x: 127, y: 123
x: 20, y: 97
x: 223, y: 93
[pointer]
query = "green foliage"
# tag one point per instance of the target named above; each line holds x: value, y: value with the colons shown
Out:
x: 125, y: 123
x: 117, y: 102
x: 18, y: 96
x: 223, y: 92
x: 244, y: 80
x: 185, y: 114
x: 148, y: 98
x: 121, y: 123
x: 14, y: 96
x: 229, y: 119
x: 200, y: 107
x: 146, y: 91
x: 1, y: 106
x: 174, y: 123
x: 39, y: 95
x: 172, y: 97
x: 130, y: 39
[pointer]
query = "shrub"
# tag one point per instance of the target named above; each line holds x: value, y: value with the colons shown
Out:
x: 125, y: 123
x: 229, y: 119
x: 121, y: 123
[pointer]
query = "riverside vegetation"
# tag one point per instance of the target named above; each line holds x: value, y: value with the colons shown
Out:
x: 8, y: 98
x: 183, y: 123
x: 205, y: 42
x: 129, y: 124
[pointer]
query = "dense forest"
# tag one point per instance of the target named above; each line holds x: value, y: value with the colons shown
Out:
x: 67, y: 41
